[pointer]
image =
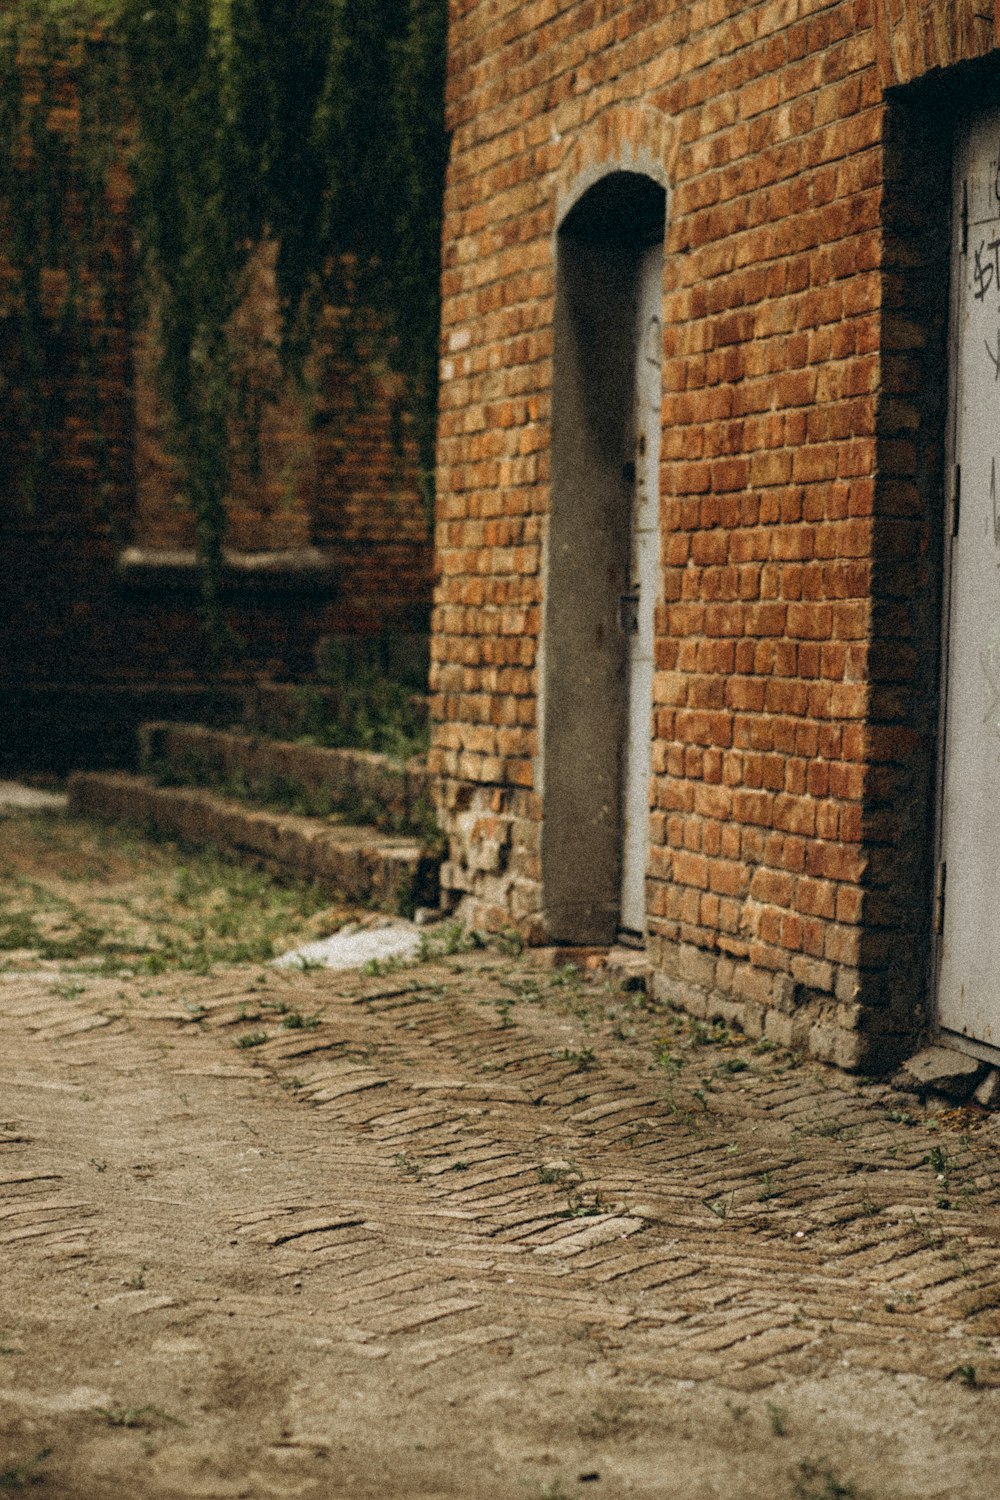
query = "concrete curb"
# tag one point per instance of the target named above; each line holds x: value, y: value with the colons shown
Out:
x: 388, y: 793
x: 358, y: 863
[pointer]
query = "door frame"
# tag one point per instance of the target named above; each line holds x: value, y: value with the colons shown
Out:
x: 597, y: 247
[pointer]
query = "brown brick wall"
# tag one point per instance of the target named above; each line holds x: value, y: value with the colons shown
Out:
x: 346, y: 493
x: 797, y: 634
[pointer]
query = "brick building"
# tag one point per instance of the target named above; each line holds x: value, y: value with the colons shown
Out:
x: 699, y: 544
x: 99, y: 621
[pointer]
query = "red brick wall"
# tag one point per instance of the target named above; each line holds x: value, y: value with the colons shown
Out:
x: 346, y: 494
x: 797, y: 634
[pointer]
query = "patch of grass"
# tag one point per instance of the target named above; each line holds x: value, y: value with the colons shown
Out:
x: 308, y: 965
x: 830, y: 1130
x: 448, y: 939
x: 767, y: 1190
x: 137, y: 1416
x: 378, y: 967
x: 778, y: 1418
x: 583, y: 1059
x: 252, y: 1039
x: 344, y: 803
x: 509, y: 942
x: 19, y: 1475
x: 703, y: 1034
x: 942, y: 1164
x: 666, y: 1058
x: 557, y: 1171
x: 374, y: 682
x: 154, y: 905
x: 19, y: 930
x: 69, y: 991
x: 294, y: 1020
x: 929, y: 1233
x: 569, y: 978
x: 720, y: 1206
x: 606, y: 1421
x: 814, y: 1479
x: 584, y: 1208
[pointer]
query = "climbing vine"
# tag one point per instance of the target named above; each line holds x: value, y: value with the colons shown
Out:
x: 312, y: 125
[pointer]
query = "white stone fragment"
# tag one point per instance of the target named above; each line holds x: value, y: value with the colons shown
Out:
x: 351, y: 947
x: 15, y: 797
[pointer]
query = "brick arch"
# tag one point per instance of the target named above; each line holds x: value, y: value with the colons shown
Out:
x: 626, y: 138
x: 913, y: 37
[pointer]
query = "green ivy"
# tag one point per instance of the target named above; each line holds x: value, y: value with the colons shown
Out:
x: 193, y: 233
x: 314, y: 124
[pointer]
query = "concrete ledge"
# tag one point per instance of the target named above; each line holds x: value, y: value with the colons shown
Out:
x: 356, y: 862
x: 299, y: 569
x: 367, y: 785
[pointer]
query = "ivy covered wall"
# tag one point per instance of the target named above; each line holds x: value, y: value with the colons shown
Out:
x: 218, y: 312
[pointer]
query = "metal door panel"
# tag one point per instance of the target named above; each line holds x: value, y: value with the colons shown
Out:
x: 968, y: 1000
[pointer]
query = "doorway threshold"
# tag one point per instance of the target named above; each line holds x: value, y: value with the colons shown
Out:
x: 967, y: 1044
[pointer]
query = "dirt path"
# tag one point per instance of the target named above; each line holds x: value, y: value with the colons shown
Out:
x: 475, y: 1227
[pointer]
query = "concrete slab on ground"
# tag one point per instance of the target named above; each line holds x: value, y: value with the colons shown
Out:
x: 356, y: 945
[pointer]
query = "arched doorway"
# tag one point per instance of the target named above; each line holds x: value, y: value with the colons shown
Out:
x: 602, y: 561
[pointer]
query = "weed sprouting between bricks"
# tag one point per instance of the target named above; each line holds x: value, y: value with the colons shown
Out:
x: 18, y: 1476
x: 149, y: 916
x: 814, y: 1479
x: 138, y: 1416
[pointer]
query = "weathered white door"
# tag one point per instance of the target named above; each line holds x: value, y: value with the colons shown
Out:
x: 969, y: 879
x: 638, y: 604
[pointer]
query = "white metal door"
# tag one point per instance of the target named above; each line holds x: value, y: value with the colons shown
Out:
x: 969, y: 879
x: 639, y: 603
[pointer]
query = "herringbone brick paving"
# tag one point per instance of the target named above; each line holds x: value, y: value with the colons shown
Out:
x: 475, y: 1171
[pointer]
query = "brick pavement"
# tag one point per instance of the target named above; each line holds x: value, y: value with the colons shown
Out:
x: 492, y: 1226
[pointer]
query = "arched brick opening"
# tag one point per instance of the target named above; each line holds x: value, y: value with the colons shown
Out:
x: 609, y: 250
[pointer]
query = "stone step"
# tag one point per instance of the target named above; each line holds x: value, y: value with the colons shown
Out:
x: 358, y: 863
x: 369, y: 788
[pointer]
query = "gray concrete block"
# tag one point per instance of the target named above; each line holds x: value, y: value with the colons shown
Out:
x: 941, y: 1070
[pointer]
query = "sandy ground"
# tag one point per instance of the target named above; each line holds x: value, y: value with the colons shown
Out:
x: 473, y: 1227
